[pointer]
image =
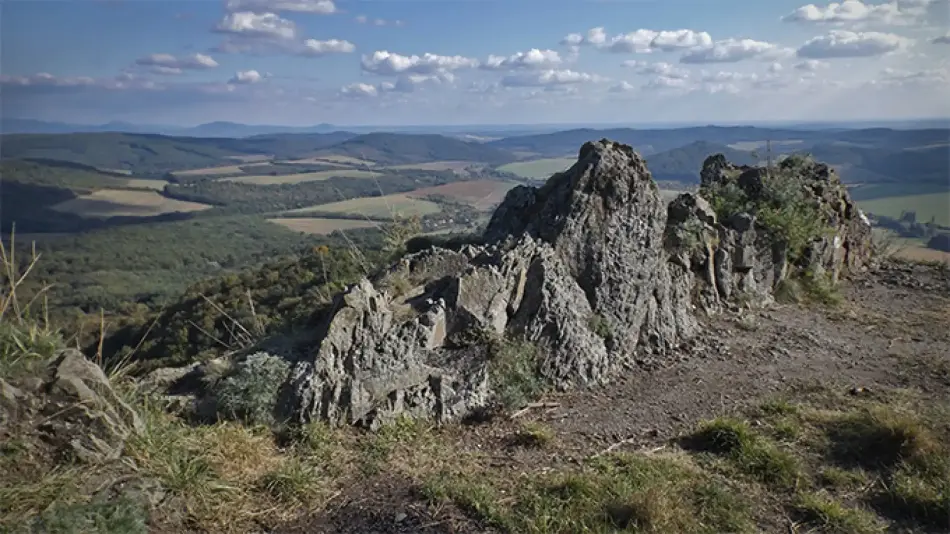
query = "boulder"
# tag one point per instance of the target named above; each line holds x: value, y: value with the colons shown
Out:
x: 83, y: 415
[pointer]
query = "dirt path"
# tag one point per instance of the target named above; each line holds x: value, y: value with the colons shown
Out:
x: 892, y: 330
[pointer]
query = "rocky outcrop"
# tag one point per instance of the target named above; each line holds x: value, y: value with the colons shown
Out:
x: 592, y: 268
x: 82, y: 416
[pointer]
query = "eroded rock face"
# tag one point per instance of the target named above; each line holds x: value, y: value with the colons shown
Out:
x: 592, y: 268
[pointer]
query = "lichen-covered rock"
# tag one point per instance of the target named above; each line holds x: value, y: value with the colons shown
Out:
x: 84, y: 416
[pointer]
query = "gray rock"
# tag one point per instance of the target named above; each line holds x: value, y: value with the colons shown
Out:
x: 84, y: 415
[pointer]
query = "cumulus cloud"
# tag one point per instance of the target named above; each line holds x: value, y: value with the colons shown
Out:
x: 246, y: 77
x: 313, y: 47
x: 857, y: 11
x: 842, y: 43
x: 250, y: 24
x: 662, y: 69
x: 387, y: 63
x: 622, y: 87
x: 532, y: 59
x: 322, y: 7
x: 728, y: 77
x: 734, y: 50
x: 943, y: 39
x: 665, y: 82
x: 359, y: 90
x: 640, y: 41
x: 549, y: 78
x: 812, y: 65
x: 171, y: 65
x: 776, y: 68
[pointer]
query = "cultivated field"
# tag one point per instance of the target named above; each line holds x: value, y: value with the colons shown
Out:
x: 936, y: 205
x: 376, y: 207
x: 314, y: 161
x: 119, y: 202
x: 758, y: 145
x: 334, y: 158
x: 481, y: 194
x: 321, y: 226
x: 539, y: 168
x: 252, y: 158
x: 301, y: 177
x: 222, y: 170
x: 435, y: 166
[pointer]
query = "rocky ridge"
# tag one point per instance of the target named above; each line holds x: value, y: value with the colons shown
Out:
x: 592, y: 270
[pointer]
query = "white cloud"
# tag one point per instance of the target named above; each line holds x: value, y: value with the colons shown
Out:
x: 359, y: 90
x: 548, y: 78
x: 532, y: 59
x: 662, y: 69
x: 169, y: 65
x: 388, y: 63
x: 322, y: 7
x: 842, y: 43
x: 45, y: 79
x: 363, y: 19
x: 943, y: 39
x: 665, y: 82
x: 623, y: 87
x: 734, y: 50
x: 249, y: 24
x: 640, y: 41
x: 246, y: 77
x: 812, y: 65
x: 313, y: 47
x: 776, y: 68
x: 856, y: 11
x: 889, y: 76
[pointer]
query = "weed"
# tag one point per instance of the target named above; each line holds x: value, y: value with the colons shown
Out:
x: 838, y: 478
x: 121, y: 516
x: 293, y: 481
x: 831, y: 516
x: 749, y: 452
x: 789, y: 291
x: 513, y: 371
x: 819, y: 288
x: 249, y: 392
x: 535, y: 435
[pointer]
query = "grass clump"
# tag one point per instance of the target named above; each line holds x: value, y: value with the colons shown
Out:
x: 617, y: 492
x: 376, y: 449
x: 842, y: 479
x: 600, y: 326
x: 747, y: 451
x: 534, y: 435
x: 829, y: 515
x: 294, y: 481
x: 249, y: 392
x: 513, y: 372
x: 120, y: 516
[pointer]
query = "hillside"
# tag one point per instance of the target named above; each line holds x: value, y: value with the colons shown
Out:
x: 394, y: 149
x: 684, y: 163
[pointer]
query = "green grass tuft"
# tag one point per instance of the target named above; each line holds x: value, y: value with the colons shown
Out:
x: 828, y: 515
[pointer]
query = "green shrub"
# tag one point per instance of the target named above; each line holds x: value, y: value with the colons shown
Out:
x: 249, y: 392
x: 513, y: 372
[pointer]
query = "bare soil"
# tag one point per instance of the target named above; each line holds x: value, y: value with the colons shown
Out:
x: 892, y: 331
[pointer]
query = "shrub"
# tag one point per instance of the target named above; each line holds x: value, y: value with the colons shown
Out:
x: 513, y: 371
x: 249, y: 392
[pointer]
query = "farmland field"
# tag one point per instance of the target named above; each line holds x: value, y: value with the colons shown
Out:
x: 376, y: 207
x: 539, y: 168
x: 252, y: 157
x: 936, y: 205
x: 119, y: 202
x: 314, y: 161
x: 321, y: 226
x: 481, y: 194
x: 435, y: 165
x: 300, y: 177
x: 761, y: 145
x: 334, y: 158
x: 225, y: 169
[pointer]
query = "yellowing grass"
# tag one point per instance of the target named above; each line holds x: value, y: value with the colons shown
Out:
x: 377, y: 207
x: 117, y: 202
x: 224, y: 169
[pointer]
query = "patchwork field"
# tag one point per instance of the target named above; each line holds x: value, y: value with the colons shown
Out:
x: 435, y: 166
x: 118, y: 202
x: 314, y: 161
x: 333, y: 158
x: 252, y: 158
x: 301, y: 177
x: 142, y: 183
x: 222, y: 170
x: 539, y: 168
x: 321, y: 226
x: 757, y: 145
x: 936, y: 205
x: 376, y: 207
x: 481, y: 194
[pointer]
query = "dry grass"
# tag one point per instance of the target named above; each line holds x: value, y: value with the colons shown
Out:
x: 539, y: 168
x: 301, y: 177
x: 220, y: 170
x: 321, y: 226
x: 480, y: 194
x: 118, y: 202
x: 435, y: 166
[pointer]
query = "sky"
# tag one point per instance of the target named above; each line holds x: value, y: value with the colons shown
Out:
x: 451, y: 62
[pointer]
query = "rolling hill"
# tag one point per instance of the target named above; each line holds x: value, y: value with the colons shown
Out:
x: 684, y: 163
x: 394, y: 149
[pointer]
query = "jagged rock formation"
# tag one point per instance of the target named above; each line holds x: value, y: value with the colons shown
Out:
x: 73, y: 407
x: 593, y: 269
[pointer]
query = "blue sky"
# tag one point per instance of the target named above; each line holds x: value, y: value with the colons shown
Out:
x: 302, y: 62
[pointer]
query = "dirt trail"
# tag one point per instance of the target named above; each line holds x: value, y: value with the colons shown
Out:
x: 892, y: 330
